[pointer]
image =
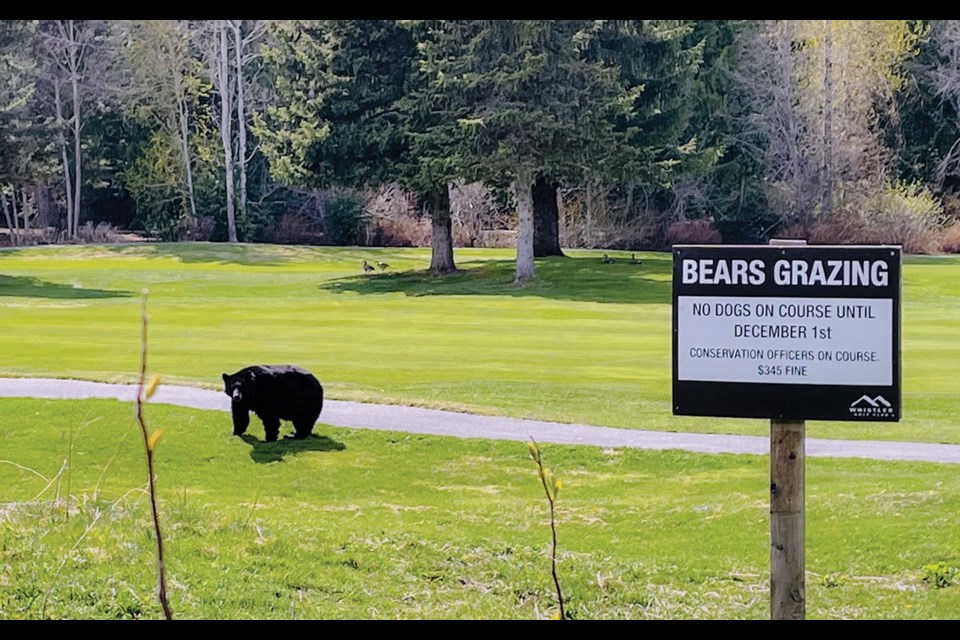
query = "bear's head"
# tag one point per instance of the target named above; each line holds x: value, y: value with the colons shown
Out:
x: 239, y: 387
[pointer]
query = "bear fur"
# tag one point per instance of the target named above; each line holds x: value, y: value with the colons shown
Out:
x: 274, y: 393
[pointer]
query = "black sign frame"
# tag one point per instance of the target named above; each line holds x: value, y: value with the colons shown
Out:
x: 790, y: 401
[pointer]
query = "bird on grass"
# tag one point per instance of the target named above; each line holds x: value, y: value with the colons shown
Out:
x: 367, y: 268
x: 633, y: 259
x: 382, y: 265
x: 607, y: 259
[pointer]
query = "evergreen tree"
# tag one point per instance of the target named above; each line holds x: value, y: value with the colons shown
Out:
x: 533, y: 105
x: 353, y: 110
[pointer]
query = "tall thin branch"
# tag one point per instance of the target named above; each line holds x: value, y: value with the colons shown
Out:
x: 535, y: 454
x: 148, y: 448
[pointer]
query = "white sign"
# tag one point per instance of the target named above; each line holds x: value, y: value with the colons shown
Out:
x: 824, y: 341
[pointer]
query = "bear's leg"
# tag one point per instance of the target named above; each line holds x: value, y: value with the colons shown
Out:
x: 304, y: 427
x: 241, y: 419
x: 271, y: 428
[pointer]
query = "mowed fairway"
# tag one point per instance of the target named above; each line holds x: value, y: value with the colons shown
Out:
x: 382, y: 524
x: 369, y: 524
x: 588, y: 342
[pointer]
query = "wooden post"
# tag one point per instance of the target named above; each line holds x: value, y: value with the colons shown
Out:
x: 787, y: 562
x: 787, y: 568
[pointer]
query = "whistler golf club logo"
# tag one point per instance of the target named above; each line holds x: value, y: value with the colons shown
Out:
x: 866, y: 406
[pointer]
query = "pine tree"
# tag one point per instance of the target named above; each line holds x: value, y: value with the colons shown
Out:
x: 532, y: 105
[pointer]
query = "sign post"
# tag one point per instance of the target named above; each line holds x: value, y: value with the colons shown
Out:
x: 789, y: 333
x: 787, y: 562
x: 788, y: 569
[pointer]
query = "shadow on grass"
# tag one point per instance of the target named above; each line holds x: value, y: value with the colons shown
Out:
x: 250, y: 255
x: 264, y: 452
x: 585, y: 279
x: 258, y: 255
x: 255, y: 254
x: 27, y: 287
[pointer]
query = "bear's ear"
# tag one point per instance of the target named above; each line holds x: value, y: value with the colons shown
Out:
x: 226, y: 377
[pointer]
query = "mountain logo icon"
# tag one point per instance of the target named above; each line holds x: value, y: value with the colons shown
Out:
x: 875, y: 407
x: 877, y: 402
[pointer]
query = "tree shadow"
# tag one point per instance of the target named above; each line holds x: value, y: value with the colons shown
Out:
x: 214, y: 253
x: 255, y: 254
x: 245, y: 254
x: 28, y: 287
x: 265, y: 452
x: 585, y: 279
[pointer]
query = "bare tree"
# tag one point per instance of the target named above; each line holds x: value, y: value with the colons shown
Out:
x: 774, y: 130
x: 11, y: 220
x: 163, y: 81
x: 62, y: 139
x: 72, y: 59
x: 243, y: 54
x: 826, y: 179
x: 946, y: 76
x: 223, y: 85
x: 818, y: 89
x: 237, y: 26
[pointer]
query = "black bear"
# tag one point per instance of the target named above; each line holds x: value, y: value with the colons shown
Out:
x: 274, y: 393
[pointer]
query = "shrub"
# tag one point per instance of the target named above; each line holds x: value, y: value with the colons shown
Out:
x: 905, y: 214
x: 794, y: 232
x: 102, y: 233
x: 343, y: 218
x: 293, y: 228
x: 475, y: 211
x: 44, y: 235
x: 197, y: 229
x: 839, y: 231
x: 950, y: 238
x: 940, y: 575
x: 692, y: 232
x: 391, y: 201
x: 404, y: 230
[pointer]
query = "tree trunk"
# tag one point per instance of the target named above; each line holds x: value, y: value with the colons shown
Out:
x: 185, y: 146
x: 76, y: 157
x: 826, y: 198
x: 241, y: 120
x: 441, y: 231
x: 523, y: 190
x: 588, y: 222
x: 26, y: 215
x: 546, y: 217
x: 71, y: 232
x: 41, y: 195
x: 225, y: 135
x: 15, y: 230
x: 75, y: 87
x: 6, y: 214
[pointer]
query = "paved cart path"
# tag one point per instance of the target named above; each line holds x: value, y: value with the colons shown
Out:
x: 360, y: 415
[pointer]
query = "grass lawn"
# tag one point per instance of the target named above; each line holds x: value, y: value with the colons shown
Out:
x: 364, y: 524
x: 587, y: 342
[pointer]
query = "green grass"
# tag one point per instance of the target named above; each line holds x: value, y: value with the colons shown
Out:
x: 587, y: 342
x: 367, y: 524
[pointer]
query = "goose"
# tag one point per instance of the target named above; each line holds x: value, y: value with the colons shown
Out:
x: 633, y: 259
x: 382, y: 265
x: 366, y: 267
x: 607, y: 259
